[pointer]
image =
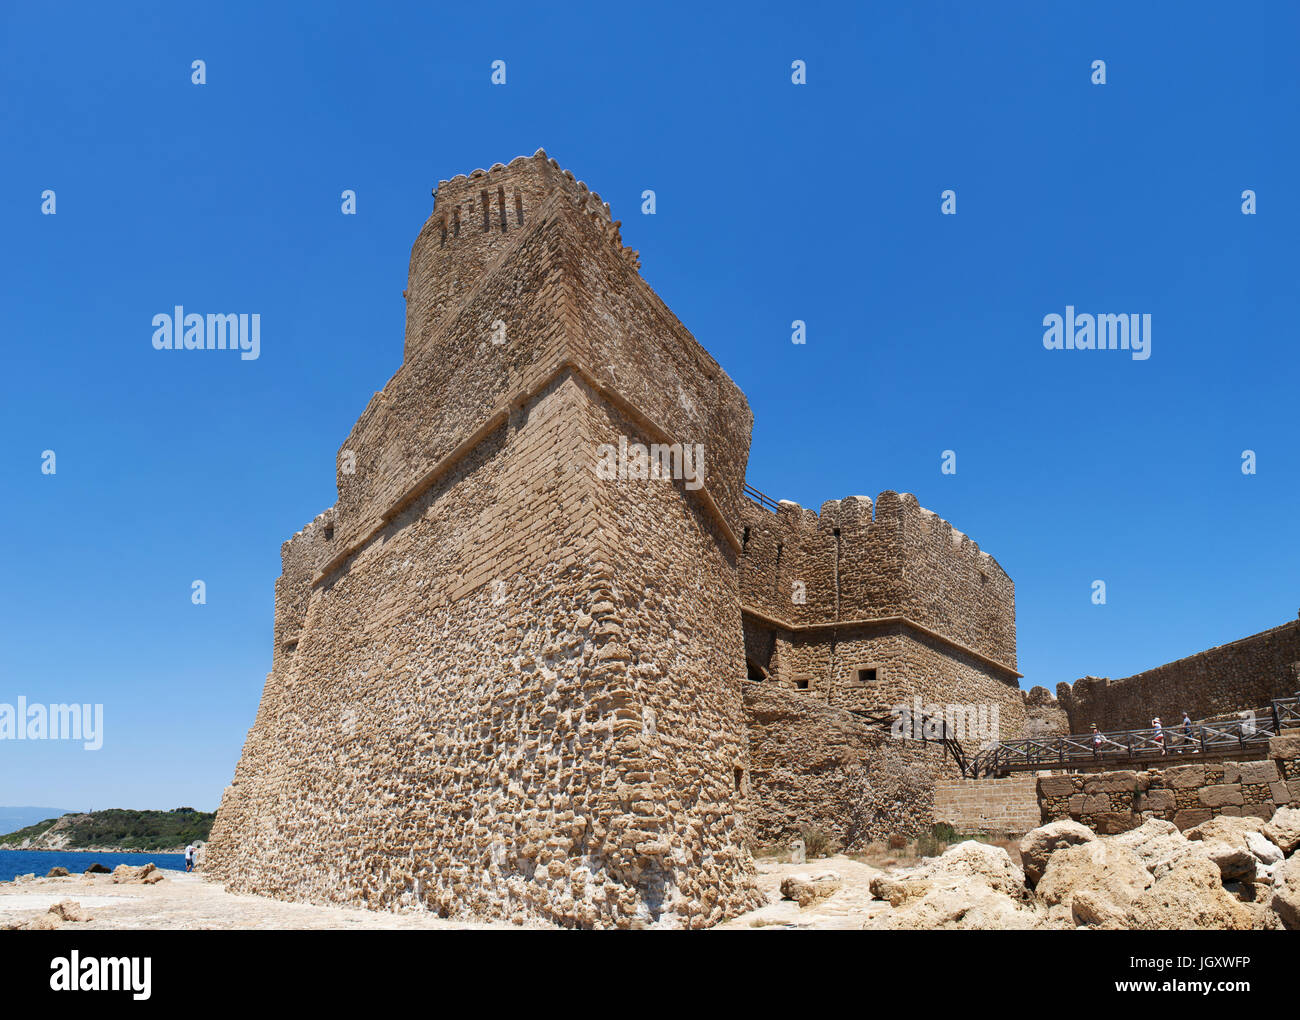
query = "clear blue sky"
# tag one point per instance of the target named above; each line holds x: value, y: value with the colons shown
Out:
x: 775, y: 202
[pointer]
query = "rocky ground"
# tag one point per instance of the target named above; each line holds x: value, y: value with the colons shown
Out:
x: 1227, y: 873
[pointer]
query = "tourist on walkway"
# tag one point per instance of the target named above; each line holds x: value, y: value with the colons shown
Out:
x: 1096, y: 741
x: 1159, y: 734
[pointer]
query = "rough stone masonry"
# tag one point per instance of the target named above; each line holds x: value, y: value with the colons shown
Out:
x: 507, y: 685
x: 502, y: 686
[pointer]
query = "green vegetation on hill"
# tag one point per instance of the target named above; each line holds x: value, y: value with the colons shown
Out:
x: 120, y: 828
x: 29, y: 832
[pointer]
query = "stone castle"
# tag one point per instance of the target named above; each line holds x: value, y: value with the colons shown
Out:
x: 505, y: 685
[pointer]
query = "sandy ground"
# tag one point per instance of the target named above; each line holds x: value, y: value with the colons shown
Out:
x: 184, y: 901
x: 851, y: 907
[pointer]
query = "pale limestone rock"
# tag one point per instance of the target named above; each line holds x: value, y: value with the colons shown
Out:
x: 1156, y: 843
x: 1234, y: 861
x: 1265, y: 851
x: 1286, y: 893
x: 809, y: 887
x: 1189, y: 895
x: 1038, y: 845
x: 69, y: 910
x: 1100, y: 877
x: 990, y: 865
x: 1229, y: 828
x: 1284, y: 829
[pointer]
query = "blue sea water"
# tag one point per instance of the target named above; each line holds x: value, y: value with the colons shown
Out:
x: 21, y: 862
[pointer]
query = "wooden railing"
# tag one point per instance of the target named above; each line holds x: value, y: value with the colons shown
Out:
x: 1250, y: 733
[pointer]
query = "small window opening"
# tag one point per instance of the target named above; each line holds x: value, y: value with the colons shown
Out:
x: 801, y: 683
x: 867, y: 676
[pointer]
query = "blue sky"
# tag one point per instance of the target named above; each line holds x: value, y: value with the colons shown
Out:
x: 775, y: 202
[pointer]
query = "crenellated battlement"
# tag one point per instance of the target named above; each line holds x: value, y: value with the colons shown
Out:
x: 477, y: 218
x: 856, y: 559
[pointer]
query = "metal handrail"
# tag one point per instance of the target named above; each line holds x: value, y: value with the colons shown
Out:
x: 761, y: 498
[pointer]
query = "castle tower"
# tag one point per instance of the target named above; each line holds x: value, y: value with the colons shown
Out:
x: 506, y: 682
x: 870, y: 606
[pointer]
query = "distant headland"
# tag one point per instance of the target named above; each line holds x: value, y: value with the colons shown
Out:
x: 115, y: 829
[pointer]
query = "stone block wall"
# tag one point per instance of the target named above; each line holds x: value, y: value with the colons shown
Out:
x: 1007, y: 806
x: 1185, y: 794
x: 1244, y: 674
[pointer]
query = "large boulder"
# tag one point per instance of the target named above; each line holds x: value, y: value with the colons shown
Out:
x: 961, y: 904
x: 1092, y: 883
x: 971, y: 885
x: 1188, y: 895
x: 1039, y: 844
x: 1156, y: 843
x: 1229, y: 828
x: 70, y: 910
x: 990, y: 865
x: 1223, y: 839
x: 1284, y: 829
x: 57, y: 872
x: 1234, y: 860
x: 1286, y: 893
x: 146, y: 874
x: 809, y: 887
x: 1266, y: 852
x: 96, y: 869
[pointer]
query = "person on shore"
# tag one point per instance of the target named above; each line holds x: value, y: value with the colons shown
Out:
x: 189, y: 857
x: 1159, y: 734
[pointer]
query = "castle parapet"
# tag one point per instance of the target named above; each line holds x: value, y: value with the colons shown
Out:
x: 857, y: 561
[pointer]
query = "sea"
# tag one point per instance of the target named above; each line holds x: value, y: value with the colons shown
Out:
x: 38, y: 862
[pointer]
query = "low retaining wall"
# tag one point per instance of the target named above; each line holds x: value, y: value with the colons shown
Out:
x: 991, y: 806
x: 1185, y: 794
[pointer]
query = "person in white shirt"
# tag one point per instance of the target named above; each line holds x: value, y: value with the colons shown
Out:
x: 189, y: 857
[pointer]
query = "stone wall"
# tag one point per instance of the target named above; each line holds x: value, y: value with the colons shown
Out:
x: 859, y: 561
x: 1186, y: 795
x: 815, y: 765
x: 1007, y: 806
x: 504, y: 686
x: 1244, y: 674
x: 1044, y: 715
x: 873, y: 612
